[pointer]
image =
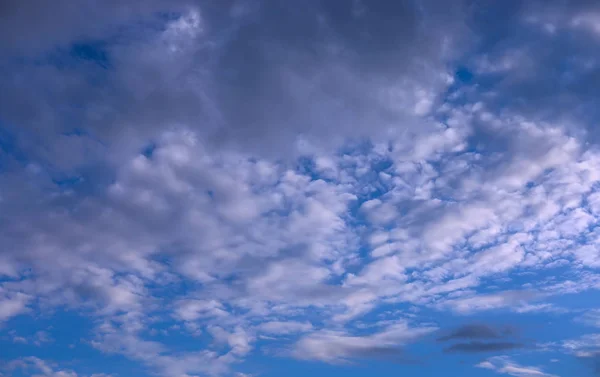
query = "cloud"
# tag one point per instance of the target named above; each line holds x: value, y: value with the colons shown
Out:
x: 523, y: 70
x: 334, y: 73
x: 592, y: 359
x: 491, y: 301
x: 191, y: 310
x: 473, y: 347
x: 504, y: 365
x: 124, y: 336
x: 12, y: 304
x: 242, y: 171
x: 284, y: 328
x: 41, y: 337
x: 590, y: 318
x: 480, y: 331
x: 40, y: 368
x: 585, y: 348
x: 192, y: 207
x: 475, y: 331
x: 582, y: 346
x: 336, y: 347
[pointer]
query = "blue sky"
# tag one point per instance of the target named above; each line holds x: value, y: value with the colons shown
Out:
x: 266, y: 188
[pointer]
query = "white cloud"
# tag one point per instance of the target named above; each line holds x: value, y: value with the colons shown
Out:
x: 489, y: 301
x: 585, y: 345
x: 12, y: 304
x: 378, y: 212
x: 37, y: 367
x: 504, y: 365
x: 284, y: 328
x: 589, y: 21
x: 265, y: 239
x: 486, y: 365
x: 129, y: 342
x: 248, y: 218
x: 591, y: 318
x: 192, y: 310
x: 588, y: 255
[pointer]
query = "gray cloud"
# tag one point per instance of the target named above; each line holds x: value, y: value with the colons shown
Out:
x: 496, y: 336
x: 326, y: 66
x: 537, y: 58
x: 475, y: 331
x: 475, y: 347
x: 256, y: 74
x: 248, y: 74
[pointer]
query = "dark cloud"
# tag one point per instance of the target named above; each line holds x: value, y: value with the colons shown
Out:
x: 385, y: 353
x: 395, y: 355
x: 476, y: 331
x: 254, y: 75
x: 323, y: 66
x: 496, y: 337
x: 537, y: 58
x: 475, y: 347
x: 257, y: 74
x: 30, y: 27
x: 471, y: 331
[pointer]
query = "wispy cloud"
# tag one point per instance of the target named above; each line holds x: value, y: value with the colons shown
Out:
x: 504, y: 365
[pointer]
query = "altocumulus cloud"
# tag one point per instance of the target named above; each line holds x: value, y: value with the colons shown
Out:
x: 209, y: 188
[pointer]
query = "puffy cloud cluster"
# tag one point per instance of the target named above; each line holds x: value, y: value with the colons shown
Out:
x: 258, y: 176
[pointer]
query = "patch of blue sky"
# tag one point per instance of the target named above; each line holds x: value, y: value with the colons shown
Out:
x: 9, y: 148
x: 69, y: 334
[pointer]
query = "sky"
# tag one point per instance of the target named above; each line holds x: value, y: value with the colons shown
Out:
x: 264, y: 188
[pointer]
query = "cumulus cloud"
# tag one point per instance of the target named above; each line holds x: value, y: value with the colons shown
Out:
x: 12, y: 304
x: 330, y: 179
x: 124, y: 336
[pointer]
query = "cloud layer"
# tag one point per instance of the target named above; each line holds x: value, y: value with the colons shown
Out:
x: 205, y: 184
